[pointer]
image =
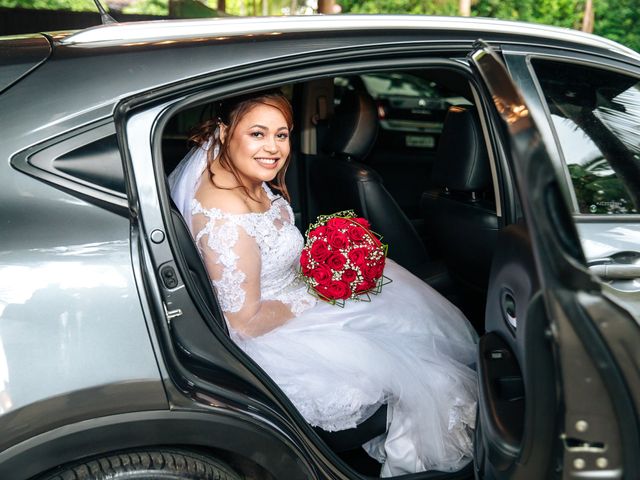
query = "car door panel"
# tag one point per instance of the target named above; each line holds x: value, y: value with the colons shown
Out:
x: 514, y: 357
x: 561, y: 340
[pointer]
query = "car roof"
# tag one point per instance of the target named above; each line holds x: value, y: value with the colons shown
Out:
x: 176, y: 31
x: 103, y: 65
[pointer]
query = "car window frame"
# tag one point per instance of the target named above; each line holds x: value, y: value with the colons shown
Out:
x: 519, y: 64
x: 40, y: 161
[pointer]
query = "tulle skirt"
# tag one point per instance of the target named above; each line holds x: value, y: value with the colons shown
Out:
x: 409, y: 348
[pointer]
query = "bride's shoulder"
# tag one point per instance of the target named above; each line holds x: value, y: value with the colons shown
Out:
x: 220, y: 200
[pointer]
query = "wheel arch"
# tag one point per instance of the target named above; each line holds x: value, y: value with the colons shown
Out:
x: 249, y: 445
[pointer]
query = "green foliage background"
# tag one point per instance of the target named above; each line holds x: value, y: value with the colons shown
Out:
x: 429, y: 7
x: 77, y: 5
x: 614, y: 19
x: 618, y: 20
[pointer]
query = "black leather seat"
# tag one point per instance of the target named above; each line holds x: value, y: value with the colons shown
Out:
x: 354, y: 438
x: 340, y: 180
x: 460, y: 207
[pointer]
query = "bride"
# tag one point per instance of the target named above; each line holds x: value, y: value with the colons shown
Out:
x: 409, y: 348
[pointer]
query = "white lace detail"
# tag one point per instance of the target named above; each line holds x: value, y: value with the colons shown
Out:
x: 337, y: 412
x: 279, y: 242
x: 221, y: 240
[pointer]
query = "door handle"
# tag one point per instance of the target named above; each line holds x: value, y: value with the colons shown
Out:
x: 620, y: 269
x: 616, y: 271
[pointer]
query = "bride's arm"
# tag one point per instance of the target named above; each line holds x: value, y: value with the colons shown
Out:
x: 233, y: 261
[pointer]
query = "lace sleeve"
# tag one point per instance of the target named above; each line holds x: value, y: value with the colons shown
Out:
x: 233, y: 261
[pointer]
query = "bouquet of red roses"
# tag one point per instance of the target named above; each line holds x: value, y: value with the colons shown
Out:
x: 342, y: 258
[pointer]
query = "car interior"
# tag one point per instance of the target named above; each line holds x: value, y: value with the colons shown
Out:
x: 409, y: 154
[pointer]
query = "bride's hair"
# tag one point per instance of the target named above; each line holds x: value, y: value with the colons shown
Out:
x: 229, y: 112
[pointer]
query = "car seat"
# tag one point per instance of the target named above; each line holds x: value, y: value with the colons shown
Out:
x: 339, y: 179
x: 460, y: 206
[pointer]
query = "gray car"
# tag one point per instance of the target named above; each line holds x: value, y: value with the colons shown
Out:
x: 115, y: 360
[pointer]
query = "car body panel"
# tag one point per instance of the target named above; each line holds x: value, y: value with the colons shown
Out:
x: 77, y: 405
x: 603, y: 239
x: 67, y: 299
x: 614, y: 243
x: 218, y: 429
x: 19, y: 55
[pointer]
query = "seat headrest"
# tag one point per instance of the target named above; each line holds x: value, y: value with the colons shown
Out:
x: 353, y: 128
x: 462, y: 163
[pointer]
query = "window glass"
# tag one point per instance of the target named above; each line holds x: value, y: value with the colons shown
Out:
x: 411, y: 107
x: 399, y: 84
x: 596, y: 115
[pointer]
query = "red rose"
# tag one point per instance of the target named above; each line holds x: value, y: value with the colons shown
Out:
x: 367, y: 273
x: 320, y: 231
x: 338, y: 290
x: 304, y: 260
x: 378, y: 269
x: 337, y: 240
x: 364, y: 286
x: 371, y: 273
x: 319, y: 251
x: 363, y: 222
x: 338, y: 223
x: 349, y: 275
x: 323, y: 290
x: 357, y: 256
x: 356, y: 233
x: 321, y: 274
x: 336, y: 261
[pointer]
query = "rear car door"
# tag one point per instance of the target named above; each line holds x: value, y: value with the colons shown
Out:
x: 558, y: 368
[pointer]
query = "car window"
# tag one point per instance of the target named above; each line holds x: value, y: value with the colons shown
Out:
x: 596, y: 115
x: 384, y: 84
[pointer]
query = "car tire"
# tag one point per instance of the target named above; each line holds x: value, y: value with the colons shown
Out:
x: 147, y: 465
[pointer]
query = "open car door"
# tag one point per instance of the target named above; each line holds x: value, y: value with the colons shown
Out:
x: 559, y: 364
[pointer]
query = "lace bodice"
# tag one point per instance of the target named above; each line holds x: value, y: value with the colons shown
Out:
x: 252, y: 257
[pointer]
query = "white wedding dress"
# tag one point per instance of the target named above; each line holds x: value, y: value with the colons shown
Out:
x: 409, y: 347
